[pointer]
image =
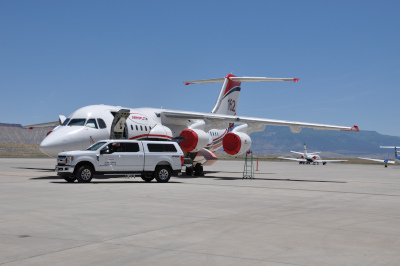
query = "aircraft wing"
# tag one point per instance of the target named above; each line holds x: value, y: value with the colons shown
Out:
x: 377, y: 160
x: 293, y: 159
x: 302, y: 153
x: 325, y: 161
x: 217, y: 118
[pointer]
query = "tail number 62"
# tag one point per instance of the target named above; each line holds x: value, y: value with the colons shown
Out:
x: 231, y: 105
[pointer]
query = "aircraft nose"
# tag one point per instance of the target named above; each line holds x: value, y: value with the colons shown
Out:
x: 52, y: 145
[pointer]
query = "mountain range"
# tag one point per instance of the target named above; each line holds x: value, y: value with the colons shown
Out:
x: 280, y: 140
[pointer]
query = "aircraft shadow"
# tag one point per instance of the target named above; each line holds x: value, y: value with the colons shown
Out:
x: 102, y: 179
x: 276, y: 179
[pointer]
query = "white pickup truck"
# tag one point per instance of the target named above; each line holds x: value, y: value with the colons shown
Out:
x: 149, y: 159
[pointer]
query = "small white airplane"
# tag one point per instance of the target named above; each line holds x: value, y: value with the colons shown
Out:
x: 202, y: 133
x: 310, y: 158
x: 387, y: 160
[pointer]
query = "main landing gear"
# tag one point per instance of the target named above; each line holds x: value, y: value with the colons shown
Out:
x: 197, y: 170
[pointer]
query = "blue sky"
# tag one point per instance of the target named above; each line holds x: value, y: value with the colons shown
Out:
x: 58, y: 56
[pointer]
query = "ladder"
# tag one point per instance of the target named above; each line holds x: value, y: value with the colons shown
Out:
x: 248, y: 171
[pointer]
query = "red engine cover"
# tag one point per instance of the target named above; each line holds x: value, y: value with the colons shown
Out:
x: 190, y: 143
x: 231, y: 143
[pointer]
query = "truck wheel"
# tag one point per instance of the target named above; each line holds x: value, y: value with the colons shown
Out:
x: 147, y: 178
x: 162, y: 174
x: 84, y: 174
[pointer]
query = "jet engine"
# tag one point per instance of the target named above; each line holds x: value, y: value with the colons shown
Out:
x: 236, y: 143
x: 196, y: 139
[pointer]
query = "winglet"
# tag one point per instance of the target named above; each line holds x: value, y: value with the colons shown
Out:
x: 295, y: 80
x: 354, y: 128
x: 187, y: 83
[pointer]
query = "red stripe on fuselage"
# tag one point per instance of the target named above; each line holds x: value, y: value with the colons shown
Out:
x: 217, y: 143
x: 151, y: 135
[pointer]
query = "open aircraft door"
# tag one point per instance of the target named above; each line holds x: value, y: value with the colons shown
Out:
x: 118, y: 126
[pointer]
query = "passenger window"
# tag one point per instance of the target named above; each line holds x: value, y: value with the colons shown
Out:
x: 115, y: 147
x: 132, y: 127
x: 102, y: 124
x: 141, y: 128
x: 137, y: 128
x: 91, y: 123
x: 161, y: 147
x: 145, y: 128
x: 130, y: 147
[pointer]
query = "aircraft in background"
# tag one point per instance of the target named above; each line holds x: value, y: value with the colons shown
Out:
x: 387, y: 160
x: 310, y: 158
x: 202, y: 133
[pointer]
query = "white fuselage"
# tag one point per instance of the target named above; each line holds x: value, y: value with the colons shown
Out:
x: 85, y: 127
x: 311, y: 157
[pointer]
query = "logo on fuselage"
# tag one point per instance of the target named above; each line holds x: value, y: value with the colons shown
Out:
x: 138, y: 118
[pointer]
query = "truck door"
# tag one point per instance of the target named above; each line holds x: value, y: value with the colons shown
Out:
x: 133, y: 156
x: 112, y: 158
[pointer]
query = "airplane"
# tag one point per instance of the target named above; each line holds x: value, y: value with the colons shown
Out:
x: 387, y: 160
x: 200, y: 134
x: 308, y: 158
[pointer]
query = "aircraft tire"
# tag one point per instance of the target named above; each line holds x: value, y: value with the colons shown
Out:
x: 189, y: 171
x: 162, y: 174
x: 84, y: 174
x: 198, y: 170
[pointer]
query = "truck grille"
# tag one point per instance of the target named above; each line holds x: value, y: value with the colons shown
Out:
x: 62, y: 160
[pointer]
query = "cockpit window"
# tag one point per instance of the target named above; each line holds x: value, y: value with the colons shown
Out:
x: 96, y: 146
x: 91, y: 123
x: 77, y: 122
x: 65, y: 122
x: 102, y: 124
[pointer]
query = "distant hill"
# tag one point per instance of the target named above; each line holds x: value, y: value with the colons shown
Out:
x: 15, y: 133
x: 273, y: 140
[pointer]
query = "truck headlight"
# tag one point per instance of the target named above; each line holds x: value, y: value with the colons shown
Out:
x: 70, y: 159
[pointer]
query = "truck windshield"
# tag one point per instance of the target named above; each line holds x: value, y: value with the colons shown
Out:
x: 96, y: 146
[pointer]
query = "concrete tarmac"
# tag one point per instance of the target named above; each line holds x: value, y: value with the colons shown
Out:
x: 290, y: 214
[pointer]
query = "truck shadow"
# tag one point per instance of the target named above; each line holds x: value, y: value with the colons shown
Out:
x: 37, y: 169
x: 114, y: 182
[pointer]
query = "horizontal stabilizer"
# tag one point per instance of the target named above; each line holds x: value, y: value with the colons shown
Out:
x: 240, y: 79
